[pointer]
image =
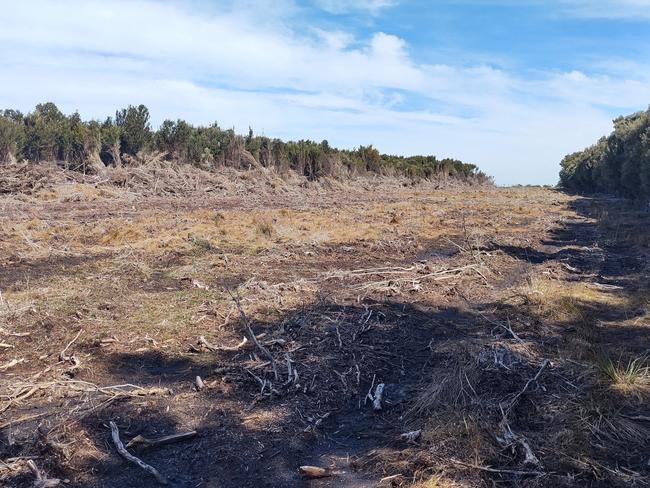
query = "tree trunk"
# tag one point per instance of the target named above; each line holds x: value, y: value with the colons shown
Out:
x: 115, y: 154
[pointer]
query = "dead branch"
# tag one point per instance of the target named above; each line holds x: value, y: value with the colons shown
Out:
x: 379, y: 393
x: 315, y: 472
x: 516, y: 398
x: 507, y: 328
x: 141, y: 441
x: 315, y: 425
x: 115, y: 434
x: 509, y: 436
x: 411, y: 437
x: 5, y: 332
x: 41, y: 481
x: 494, y: 470
x: 111, y: 393
x: 211, y: 347
x: 12, y: 363
x: 62, y: 355
x: 251, y: 334
x: 369, y: 394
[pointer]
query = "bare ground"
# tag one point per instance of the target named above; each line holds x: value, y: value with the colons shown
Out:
x: 509, y: 327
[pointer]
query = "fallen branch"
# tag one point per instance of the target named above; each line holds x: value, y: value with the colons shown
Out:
x: 379, y: 393
x: 115, y: 434
x: 251, y: 334
x: 41, y: 480
x: 509, y: 436
x: 62, y: 355
x: 5, y: 332
x: 387, y: 479
x: 411, y: 437
x: 315, y: 472
x: 211, y: 347
x: 141, y: 441
x: 495, y: 470
x: 11, y: 364
x: 507, y: 328
x: 516, y: 398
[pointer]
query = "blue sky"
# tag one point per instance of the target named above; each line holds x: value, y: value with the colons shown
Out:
x: 511, y: 85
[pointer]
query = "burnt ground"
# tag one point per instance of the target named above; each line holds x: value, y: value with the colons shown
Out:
x: 453, y: 301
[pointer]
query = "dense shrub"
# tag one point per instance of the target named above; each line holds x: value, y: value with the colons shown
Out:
x: 135, y: 131
x: 617, y: 164
x: 48, y: 134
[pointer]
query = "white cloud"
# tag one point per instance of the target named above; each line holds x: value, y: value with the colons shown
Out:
x: 231, y: 67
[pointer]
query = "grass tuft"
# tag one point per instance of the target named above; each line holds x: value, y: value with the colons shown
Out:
x: 264, y: 228
x: 634, y: 373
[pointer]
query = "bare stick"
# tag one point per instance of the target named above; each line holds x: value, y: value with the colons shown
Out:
x: 115, y: 433
x: 41, y: 481
x: 12, y: 363
x: 5, y: 332
x: 369, y: 394
x: 494, y: 470
x: 139, y: 440
x: 507, y: 328
x: 213, y: 348
x: 412, y: 436
x: 510, y: 437
x: 62, y: 356
x: 314, y: 472
x: 379, y: 393
x: 514, y: 401
x: 251, y: 334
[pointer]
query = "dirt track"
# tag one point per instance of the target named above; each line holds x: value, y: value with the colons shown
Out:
x: 453, y: 300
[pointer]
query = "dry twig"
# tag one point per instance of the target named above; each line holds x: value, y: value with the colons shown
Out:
x: 142, y: 441
x: 251, y: 334
x: 115, y: 434
x: 41, y: 481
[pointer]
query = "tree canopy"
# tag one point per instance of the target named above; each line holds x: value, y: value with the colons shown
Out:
x: 46, y: 134
x: 618, y: 164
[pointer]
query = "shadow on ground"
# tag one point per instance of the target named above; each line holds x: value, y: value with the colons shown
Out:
x: 582, y: 432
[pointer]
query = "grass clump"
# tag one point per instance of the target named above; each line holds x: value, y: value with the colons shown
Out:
x: 264, y: 228
x: 201, y: 243
x: 633, y: 374
x: 630, y: 379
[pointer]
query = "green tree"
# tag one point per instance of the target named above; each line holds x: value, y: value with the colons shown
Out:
x: 12, y: 135
x: 135, y: 131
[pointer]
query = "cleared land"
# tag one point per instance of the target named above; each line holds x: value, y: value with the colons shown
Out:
x: 510, y: 327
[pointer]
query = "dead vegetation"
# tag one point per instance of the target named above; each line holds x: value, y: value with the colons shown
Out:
x: 413, y: 337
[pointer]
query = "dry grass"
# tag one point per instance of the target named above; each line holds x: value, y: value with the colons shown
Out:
x: 442, y: 481
x: 154, y: 277
x: 569, y: 302
x: 451, y: 386
x: 628, y: 377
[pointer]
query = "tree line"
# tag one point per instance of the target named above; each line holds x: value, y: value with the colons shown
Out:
x: 47, y: 134
x: 618, y: 164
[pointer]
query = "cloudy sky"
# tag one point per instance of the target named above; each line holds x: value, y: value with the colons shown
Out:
x: 511, y: 85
